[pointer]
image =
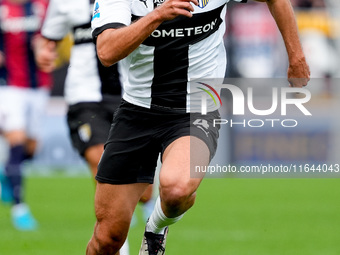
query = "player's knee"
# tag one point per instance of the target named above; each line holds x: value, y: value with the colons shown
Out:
x: 109, y: 241
x: 178, y: 196
x: 109, y: 234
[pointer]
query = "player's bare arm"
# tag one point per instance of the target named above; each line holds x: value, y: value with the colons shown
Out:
x: 298, y: 70
x: 115, y: 44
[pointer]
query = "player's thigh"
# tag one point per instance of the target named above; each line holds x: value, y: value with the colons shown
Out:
x: 37, y: 100
x: 132, y: 150
x: 15, y: 137
x: 13, y: 109
x: 179, y: 160
x: 192, y: 143
x: 115, y: 204
x: 93, y: 154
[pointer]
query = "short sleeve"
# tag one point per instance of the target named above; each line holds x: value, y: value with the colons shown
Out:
x: 55, y: 25
x: 110, y: 14
x: 63, y: 15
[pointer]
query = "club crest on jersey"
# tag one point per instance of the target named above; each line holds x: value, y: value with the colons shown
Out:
x: 202, y: 3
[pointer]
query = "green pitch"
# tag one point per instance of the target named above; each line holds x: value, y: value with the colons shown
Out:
x: 231, y: 216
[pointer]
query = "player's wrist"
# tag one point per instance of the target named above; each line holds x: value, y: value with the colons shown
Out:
x: 157, y: 15
x: 297, y: 59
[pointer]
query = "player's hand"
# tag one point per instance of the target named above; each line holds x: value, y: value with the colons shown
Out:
x: 46, y: 54
x: 298, y: 73
x: 170, y: 9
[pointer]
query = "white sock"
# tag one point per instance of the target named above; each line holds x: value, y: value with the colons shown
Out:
x: 158, y: 221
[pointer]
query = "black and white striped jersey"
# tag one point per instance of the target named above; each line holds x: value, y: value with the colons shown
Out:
x: 87, y: 80
x: 177, y: 52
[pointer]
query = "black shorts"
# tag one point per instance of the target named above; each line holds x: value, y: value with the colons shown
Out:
x: 138, y: 135
x: 89, y: 123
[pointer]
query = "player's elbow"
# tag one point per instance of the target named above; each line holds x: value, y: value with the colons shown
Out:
x: 106, y: 49
x: 103, y: 54
x: 104, y: 59
x: 109, y: 57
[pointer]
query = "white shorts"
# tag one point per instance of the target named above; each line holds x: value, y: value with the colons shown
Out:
x: 22, y: 109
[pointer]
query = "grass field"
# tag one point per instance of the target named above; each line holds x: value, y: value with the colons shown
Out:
x: 231, y: 216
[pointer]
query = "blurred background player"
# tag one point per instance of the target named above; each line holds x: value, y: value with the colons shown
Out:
x: 92, y: 91
x: 24, y: 91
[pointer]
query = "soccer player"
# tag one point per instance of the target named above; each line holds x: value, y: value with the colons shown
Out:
x: 24, y: 91
x: 92, y: 91
x: 164, y: 45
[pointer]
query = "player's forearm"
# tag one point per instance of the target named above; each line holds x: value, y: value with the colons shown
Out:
x: 115, y: 44
x: 298, y: 70
x: 283, y: 14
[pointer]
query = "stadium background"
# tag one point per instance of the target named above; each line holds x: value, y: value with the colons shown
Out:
x: 232, y: 215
